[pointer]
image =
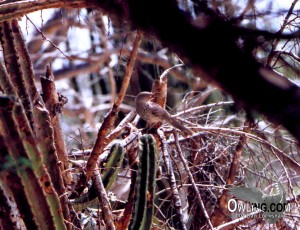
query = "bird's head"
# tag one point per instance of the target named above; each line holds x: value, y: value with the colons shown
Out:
x: 144, y: 96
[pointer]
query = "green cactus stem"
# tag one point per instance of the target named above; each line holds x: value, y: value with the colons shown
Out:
x: 109, y: 176
x: 146, y: 183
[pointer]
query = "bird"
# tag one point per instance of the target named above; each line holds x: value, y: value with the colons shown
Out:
x: 273, y: 205
x: 153, y: 113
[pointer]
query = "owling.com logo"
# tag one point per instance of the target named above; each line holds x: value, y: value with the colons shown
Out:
x: 273, y: 205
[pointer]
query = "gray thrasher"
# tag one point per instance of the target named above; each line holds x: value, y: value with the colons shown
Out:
x: 154, y: 113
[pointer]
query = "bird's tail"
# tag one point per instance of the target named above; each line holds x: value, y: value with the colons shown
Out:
x: 185, y: 131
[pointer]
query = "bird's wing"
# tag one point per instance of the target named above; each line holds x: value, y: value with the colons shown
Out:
x: 157, y: 110
x: 251, y: 194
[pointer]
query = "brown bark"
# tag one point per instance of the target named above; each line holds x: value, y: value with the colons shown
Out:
x: 54, y: 106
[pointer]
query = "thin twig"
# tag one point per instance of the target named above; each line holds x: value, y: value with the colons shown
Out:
x: 102, y: 140
x: 221, y: 208
x: 203, y: 107
x: 103, y: 201
x: 201, y: 131
x: 47, y: 39
x: 189, y: 185
x: 290, y: 54
x: 165, y: 73
x: 117, y: 131
x: 186, y: 167
x: 172, y: 180
x: 280, y: 31
x: 236, y: 221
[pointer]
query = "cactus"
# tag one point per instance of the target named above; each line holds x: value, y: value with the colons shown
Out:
x: 146, y: 183
x: 14, y: 82
x: 109, y: 175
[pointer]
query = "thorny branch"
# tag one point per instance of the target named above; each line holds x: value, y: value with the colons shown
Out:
x: 196, y: 191
x: 172, y: 180
x: 102, y: 139
x: 280, y: 31
x: 47, y: 39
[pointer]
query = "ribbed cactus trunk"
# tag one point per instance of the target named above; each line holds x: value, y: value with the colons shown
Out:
x: 146, y: 184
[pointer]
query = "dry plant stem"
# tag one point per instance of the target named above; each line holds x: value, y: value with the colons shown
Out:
x: 196, y: 191
x: 237, y: 222
x: 190, y: 185
x: 234, y: 167
x: 221, y: 209
x: 290, y: 162
x: 290, y: 54
x: 102, y: 141
x: 9, y: 9
x: 52, y: 103
x: 286, y: 170
x: 100, y: 23
x: 164, y: 76
x: 93, y: 62
x: 284, y: 24
x: 172, y: 179
x: 43, y: 130
x: 201, y: 108
x: 127, y: 143
x: 117, y: 131
x: 52, y: 27
x: 130, y: 141
x: 159, y: 89
x: 48, y: 40
x: 103, y: 201
x: 288, y: 177
x: 113, y: 84
x: 249, y: 6
x: 124, y: 221
x: 129, y: 68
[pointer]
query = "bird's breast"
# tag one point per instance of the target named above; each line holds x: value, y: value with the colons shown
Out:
x: 145, y: 112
